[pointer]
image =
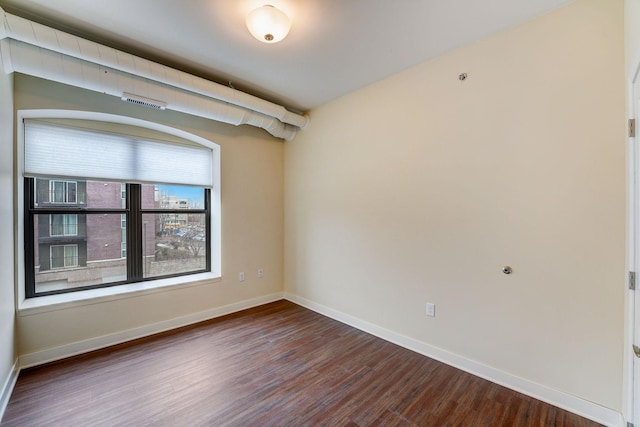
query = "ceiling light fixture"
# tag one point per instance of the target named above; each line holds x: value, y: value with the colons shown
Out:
x: 268, y: 24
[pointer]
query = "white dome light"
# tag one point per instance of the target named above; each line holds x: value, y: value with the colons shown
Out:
x: 268, y: 24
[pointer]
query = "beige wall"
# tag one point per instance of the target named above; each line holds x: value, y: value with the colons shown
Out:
x: 632, y: 60
x: 632, y: 33
x: 252, y: 225
x: 421, y: 187
x: 7, y: 311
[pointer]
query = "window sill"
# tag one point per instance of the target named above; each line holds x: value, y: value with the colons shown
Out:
x: 48, y: 303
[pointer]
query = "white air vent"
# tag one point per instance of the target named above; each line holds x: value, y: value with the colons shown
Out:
x: 146, y: 102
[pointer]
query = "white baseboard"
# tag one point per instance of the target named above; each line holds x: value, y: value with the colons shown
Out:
x: 7, y: 388
x: 79, y: 347
x: 554, y: 397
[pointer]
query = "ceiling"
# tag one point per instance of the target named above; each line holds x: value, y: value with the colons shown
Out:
x: 333, y: 48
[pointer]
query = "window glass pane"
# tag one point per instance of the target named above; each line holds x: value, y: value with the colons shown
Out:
x: 104, y: 195
x: 57, y: 256
x: 70, y: 255
x: 90, y: 256
x: 174, y: 244
x: 58, y: 193
x: 172, y: 197
x: 87, y: 194
x: 70, y: 192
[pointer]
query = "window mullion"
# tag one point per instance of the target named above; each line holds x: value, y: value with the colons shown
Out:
x: 207, y: 204
x: 134, y: 233
x: 29, y: 238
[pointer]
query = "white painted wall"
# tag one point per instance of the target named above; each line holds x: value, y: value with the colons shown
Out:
x: 252, y: 228
x: 421, y: 187
x: 7, y: 311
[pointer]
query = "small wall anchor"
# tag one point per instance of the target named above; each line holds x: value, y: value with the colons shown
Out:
x: 507, y: 269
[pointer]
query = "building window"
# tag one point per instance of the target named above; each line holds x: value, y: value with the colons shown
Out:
x: 123, y: 232
x: 123, y: 196
x: 63, y: 256
x: 63, y: 225
x: 121, y: 229
x: 62, y: 192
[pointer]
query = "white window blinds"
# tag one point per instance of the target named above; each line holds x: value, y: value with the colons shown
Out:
x: 60, y: 151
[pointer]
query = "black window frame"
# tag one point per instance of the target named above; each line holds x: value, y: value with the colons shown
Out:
x: 133, y: 211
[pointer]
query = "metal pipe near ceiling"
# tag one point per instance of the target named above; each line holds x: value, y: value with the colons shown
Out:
x: 34, y: 49
x: 43, y: 63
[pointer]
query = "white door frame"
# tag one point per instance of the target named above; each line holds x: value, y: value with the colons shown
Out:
x: 631, y: 406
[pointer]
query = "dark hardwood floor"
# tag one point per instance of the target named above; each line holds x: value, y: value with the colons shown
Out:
x: 274, y: 365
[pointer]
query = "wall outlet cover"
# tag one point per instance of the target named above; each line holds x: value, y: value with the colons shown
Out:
x: 431, y: 310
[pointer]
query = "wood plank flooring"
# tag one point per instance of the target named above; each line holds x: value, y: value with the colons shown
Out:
x: 274, y: 365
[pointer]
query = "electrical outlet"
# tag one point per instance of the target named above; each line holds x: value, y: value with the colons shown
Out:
x: 241, y: 276
x: 260, y: 274
x: 431, y: 310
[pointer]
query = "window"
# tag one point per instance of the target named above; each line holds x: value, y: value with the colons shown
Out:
x: 139, y: 216
x: 62, y: 191
x: 64, y: 256
x: 63, y: 225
